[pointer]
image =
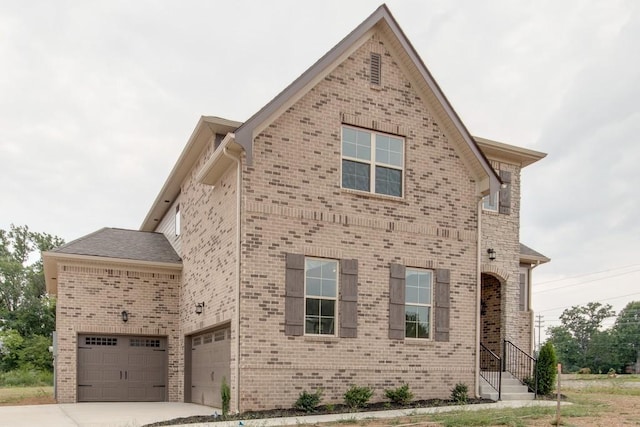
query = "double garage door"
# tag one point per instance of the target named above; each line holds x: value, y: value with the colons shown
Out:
x: 121, y: 368
x: 210, y: 363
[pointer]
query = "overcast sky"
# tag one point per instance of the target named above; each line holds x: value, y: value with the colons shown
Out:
x: 97, y: 100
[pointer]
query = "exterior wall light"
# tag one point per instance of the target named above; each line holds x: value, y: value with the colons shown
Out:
x: 199, y: 307
x: 124, y: 315
x: 492, y: 254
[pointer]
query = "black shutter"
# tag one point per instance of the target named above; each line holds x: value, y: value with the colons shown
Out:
x: 349, y: 298
x: 504, y: 201
x: 442, y: 305
x: 294, y: 295
x: 397, y: 276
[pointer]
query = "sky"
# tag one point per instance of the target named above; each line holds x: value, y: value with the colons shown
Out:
x: 98, y: 99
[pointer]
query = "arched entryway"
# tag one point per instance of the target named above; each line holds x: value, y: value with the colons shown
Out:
x: 491, y: 313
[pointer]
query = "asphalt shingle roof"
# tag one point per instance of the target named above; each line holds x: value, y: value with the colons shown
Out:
x: 123, y: 244
x: 528, y: 252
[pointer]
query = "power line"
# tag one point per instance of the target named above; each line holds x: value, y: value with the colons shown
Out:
x: 582, y: 283
x: 601, y: 299
x: 587, y: 274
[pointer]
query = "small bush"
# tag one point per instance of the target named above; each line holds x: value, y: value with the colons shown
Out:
x: 460, y: 394
x: 584, y: 371
x: 308, y: 402
x: 357, y: 397
x: 225, y: 396
x: 530, y: 382
x: 400, y: 395
x: 547, y: 369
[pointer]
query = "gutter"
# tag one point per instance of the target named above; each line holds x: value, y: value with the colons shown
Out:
x: 478, y: 299
x: 236, y: 159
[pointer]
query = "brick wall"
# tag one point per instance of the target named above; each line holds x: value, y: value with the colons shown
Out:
x: 502, y: 233
x: 208, y: 250
x: 293, y: 203
x: 91, y: 300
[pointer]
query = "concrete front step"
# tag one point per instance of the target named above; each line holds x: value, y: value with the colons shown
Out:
x: 511, y: 388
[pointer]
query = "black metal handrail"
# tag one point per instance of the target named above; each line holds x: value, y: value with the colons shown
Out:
x: 491, y: 368
x: 520, y: 364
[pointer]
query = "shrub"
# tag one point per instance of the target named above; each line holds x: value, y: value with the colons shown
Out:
x: 584, y: 371
x: 225, y: 396
x: 400, y: 395
x: 25, y: 377
x: 357, y: 397
x: 547, y: 369
x: 308, y: 402
x: 460, y: 394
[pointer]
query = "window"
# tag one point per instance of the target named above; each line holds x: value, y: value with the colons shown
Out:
x: 177, y: 221
x: 490, y: 203
x: 524, y: 289
x: 418, y: 302
x: 372, y: 162
x: 320, y: 291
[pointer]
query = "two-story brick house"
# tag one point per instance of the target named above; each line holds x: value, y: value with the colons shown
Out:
x: 339, y: 236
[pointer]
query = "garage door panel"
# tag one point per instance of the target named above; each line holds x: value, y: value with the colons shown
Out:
x: 210, y: 363
x: 121, y: 368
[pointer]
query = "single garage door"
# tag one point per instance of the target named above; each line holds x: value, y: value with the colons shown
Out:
x: 210, y: 362
x: 121, y: 368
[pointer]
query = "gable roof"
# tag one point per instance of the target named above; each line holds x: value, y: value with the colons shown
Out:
x: 206, y: 129
x: 116, y: 245
x: 380, y: 20
x: 122, y: 244
x: 530, y: 256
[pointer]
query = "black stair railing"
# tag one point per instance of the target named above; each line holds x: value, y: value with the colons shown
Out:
x: 491, y: 368
x: 520, y: 364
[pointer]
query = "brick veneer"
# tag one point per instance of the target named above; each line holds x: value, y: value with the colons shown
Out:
x: 293, y: 203
x: 90, y: 301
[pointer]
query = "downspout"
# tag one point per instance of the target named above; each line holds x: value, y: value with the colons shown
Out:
x: 238, y: 253
x: 478, y: 298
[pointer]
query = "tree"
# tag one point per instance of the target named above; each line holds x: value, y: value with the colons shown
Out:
x: 578, y: 338
x: 626, y: 333
x: 23, y: 302
x: 27, y: 313
x: 547, y: 369
x: 567, y: 350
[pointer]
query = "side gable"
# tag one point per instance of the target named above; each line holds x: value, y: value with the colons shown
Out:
x: 383, y: 22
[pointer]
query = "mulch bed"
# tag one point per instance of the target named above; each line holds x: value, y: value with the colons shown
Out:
x: 321, y: 410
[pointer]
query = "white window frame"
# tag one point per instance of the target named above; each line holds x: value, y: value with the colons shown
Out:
x: 487, y: 204
x: 372, y: 162
x: 429, y: 337
x: 318, y: 297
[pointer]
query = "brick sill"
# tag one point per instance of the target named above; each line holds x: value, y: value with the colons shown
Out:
x: 373, y: 195
x: 320, y: 338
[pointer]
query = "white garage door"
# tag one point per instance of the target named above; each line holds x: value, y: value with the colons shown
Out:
x: 121, y: 368
x: 210, y: 362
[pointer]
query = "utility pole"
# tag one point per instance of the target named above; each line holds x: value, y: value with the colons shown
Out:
x: 539, y: 323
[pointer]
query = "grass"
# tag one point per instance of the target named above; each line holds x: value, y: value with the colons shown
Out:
x: 10, y: 395
x: 26, y: 378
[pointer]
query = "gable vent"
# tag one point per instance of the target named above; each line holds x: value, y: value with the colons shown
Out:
x: 376, y: 68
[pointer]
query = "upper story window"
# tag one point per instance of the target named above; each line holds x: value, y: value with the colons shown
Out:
x: 177, y: 220
x: 418, y: 303
x: 372, y: 162
x: 490, y: 202
x: 321, y: 295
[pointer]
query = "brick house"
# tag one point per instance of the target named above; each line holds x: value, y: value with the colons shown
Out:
x: 351, y: 232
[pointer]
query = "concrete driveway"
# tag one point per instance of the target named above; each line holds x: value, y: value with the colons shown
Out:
x: 130, y: 414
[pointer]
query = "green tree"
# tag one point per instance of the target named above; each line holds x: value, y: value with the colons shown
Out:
x: 567, y: 350
x: 24, y: 305
x: 547, y: 369
x: 626, y: 332
x: 579, y: 337
x: 27, y: 313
